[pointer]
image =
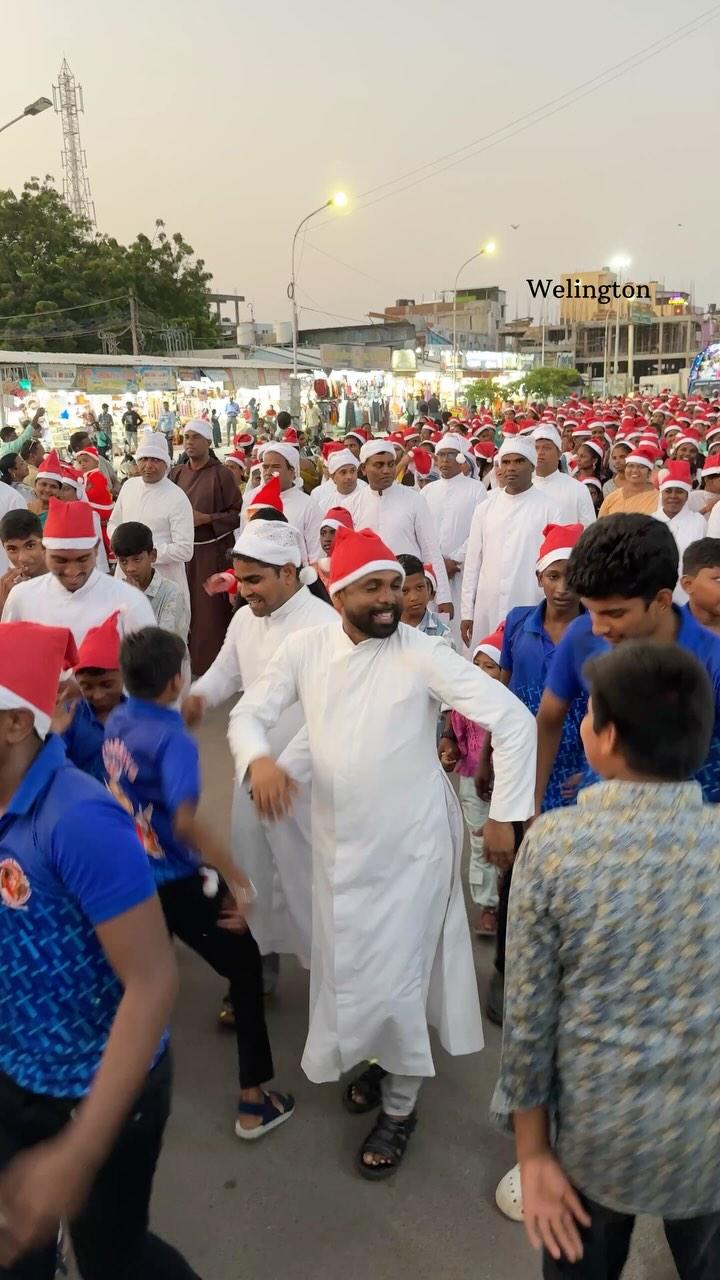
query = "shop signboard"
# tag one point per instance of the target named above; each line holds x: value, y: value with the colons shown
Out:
x: 153, y: 377
x: 404, y: 362
x: 361, y: 359
x: 106, y: 380
x: 54, y: 377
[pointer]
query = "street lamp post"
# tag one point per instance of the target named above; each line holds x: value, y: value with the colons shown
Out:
x: 618, y: 264
x: 487, y: 248
x: 338, y: 201
x: 33, y: 109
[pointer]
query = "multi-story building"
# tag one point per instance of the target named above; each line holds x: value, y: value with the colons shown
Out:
x: 479, y: 313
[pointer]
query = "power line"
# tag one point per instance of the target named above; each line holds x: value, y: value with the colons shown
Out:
x: 51, y: 311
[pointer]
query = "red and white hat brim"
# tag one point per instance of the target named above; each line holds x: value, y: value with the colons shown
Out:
x: 51, y: 475
x: 10, y: 701
x: 70, y: 544
x: 366, y: 571
x: 675, y: 484
x: 489, y: 650
x: 562, y: 553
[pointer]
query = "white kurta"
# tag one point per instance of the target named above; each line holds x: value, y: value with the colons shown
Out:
x: 571, y: 497
x: 502, y: 552
x: 301, y: 512
x: 391, y: 946
x: 10, y: 500
x: 327, y: 496
x: 46, y: 600
x: 452, y: 506
x: 402, y: 518
x: 168, y: 514
x: 276, y: 856
x: 686, y: 527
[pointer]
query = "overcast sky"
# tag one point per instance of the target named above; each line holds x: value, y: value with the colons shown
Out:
x: 231, y: 120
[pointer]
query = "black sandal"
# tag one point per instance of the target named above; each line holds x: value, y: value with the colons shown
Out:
x: 368, y: 1083
x: 388, y: 1138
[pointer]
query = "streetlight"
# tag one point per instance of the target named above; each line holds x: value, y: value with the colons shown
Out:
x: 34, y: 109
x: 338, y: 201
x: 490, y: 247
x: 618, y: 264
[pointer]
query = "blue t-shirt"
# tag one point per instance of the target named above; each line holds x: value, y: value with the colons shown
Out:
x: 527, y: 652
x: 69, y: 861
x: 566, y: 680
x: 84, y: 741
x: 153, y: 767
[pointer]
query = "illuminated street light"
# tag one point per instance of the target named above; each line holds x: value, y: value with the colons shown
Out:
x: 488, y: 248
x: 338, y: 201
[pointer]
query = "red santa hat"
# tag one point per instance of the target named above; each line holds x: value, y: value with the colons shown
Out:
x: 90, y: 451
x: 290, y: 436
x: 558, y: 541
x: 337, y: 518
x: 97, y: 492
x: 101, y: 646
x: 360, y: 434
x: 268, y: 496
x: 32, y: 658
x: 356, y: 554
x: 597, y: 446
x: 711, y: 466
x: 237, y: 458
x: 431, y: 577
x: 646, y: 455
x: 676, y: 475
x: 491, y: 646
x: 331, y: 446
x: 421, y: 461
x: 69, y: 526
x: 74, y: 478
x: 51, y: 467
x: 244, y: 440
x: 690, y: 435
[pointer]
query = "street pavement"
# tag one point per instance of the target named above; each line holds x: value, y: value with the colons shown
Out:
x: 292, y: 1205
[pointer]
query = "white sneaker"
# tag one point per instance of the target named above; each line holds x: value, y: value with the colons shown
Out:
x: 508, y: 1196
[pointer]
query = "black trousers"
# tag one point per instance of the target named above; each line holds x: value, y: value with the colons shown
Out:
x: 694, y: 1244
x: 110, y: 1237
x: 504, y: 882
x: 192, y: 917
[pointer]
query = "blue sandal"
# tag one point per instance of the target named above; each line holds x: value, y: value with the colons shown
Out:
x: 271, y: 1115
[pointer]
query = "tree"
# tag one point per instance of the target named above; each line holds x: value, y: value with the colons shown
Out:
x: 62, y: 284
x: 544, y: 382
x: 485, y: 390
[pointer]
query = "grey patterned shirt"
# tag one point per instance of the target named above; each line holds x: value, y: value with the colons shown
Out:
x: 612, y: 993
x: 169, y: 605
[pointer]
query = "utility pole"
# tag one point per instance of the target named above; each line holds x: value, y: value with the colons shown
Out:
x: 134, y: 323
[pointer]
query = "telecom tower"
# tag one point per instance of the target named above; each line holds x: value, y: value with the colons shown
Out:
x: 68, y: 102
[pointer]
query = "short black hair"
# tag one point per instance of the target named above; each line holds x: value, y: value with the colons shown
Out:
x: 269, y: 513
x: 411, y: 565
x: 624, y: 555
x: 77, y: 440
x: 7, y: 462
x: 149, y: 660
x: 703, y: 554
x: 284, y: 420
x: 131, y: 539
x: 660, y: 700
x: 7, y: 434
x: 28, y: 447
x: 20, y: 523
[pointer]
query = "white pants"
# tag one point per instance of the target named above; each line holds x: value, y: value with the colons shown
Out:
x: 399, y: 1094
x: 483, y: 877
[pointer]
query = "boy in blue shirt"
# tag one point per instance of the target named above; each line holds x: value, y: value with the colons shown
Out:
x: 153, y: 770
x: 89, y: 981
x: 98, y: 677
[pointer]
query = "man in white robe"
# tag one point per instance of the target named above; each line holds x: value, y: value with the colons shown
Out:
x: 73, y: 593
x: 266, y: 560
x: 283, y: 460
x: 674, y: 510
x: 343, y: 489
x: 400, y: 515
x: 391, y: 943
x: 153, y: 500
x: 502, y: 549
x: 571, y: 497
x: 452, y: 501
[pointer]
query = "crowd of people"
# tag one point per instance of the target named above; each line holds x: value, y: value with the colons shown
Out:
x: 502, y: 630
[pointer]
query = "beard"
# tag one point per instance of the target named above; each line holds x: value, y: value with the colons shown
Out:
x: 367, y: 621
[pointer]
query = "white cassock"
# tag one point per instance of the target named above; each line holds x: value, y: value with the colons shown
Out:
x: 301, y: 512
x: 401, y: 517
x: 452, y: 506
x: 686, y: 527
x: 501, y: 555
x: 46, y: 600
x: 571, y: 497
x: 277, y: 855
x: 10, y: 500
x: 391, y: 949
x: 168, y: 514
x: 326, y: 496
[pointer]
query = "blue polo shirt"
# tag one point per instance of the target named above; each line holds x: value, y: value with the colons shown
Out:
x: 152, y: 766
x: 69, y: 861
x: 565, y: 677
x: 527, y: 652
x: 84, y: 741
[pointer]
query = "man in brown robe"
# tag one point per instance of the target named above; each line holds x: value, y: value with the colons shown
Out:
x: 216, y: 502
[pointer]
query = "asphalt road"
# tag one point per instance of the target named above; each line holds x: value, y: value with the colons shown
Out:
x: 291, y: 1205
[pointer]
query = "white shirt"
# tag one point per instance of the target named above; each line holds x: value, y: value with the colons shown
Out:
x: 168, y: 514
x: 502, y: 552
x: 452, y: 505
x: 686, y: 527
x: 46, y: 600
x: 302, y: 513
x: 713, y: 524
x: 10, y: 500
x: 402, y: 519
x: 327, y: 496
x: 571, y: 497
x: 391, y: 943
